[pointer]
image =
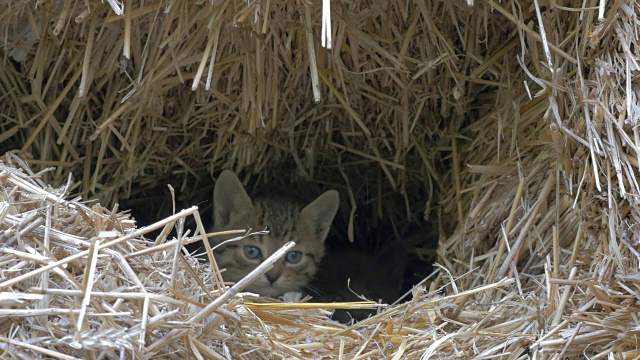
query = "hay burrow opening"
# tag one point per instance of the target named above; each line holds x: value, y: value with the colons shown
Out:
x: 496, y: 141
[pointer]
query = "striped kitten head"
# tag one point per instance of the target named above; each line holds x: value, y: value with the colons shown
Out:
x: 286, y: 220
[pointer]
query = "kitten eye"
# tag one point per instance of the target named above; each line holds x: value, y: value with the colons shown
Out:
x: 293, y: 257
x: 252, y: 252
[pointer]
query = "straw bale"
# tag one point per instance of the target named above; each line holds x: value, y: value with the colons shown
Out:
x: 514, y: 124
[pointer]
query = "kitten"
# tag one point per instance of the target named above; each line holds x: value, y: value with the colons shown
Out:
x: 377, y: 277
x: 286, y: 220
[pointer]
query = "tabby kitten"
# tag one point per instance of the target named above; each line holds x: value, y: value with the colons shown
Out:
x: 286, y: 220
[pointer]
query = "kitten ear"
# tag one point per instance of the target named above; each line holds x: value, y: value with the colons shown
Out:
x: 229, y: 198
x: 320, y: 213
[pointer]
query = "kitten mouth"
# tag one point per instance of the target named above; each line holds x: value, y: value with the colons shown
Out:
x: 271, y: 292
x: 267, y: 290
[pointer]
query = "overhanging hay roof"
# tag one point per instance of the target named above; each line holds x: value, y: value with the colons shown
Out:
x: 527, y: 136
x: 127, y: 123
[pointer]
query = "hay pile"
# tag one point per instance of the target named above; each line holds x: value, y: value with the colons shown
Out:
x: 83, y: 283
x: 514, y: 122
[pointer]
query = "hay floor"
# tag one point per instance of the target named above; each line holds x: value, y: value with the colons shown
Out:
x: 80, y: 282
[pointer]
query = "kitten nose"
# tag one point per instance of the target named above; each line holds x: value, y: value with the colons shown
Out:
x: 273, y: 275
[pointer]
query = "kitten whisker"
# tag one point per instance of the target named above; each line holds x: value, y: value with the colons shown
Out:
x: 313, y: 291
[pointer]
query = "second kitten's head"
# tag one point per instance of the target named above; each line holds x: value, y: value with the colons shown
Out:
x: 286, y: 220
x: 353, y: 274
